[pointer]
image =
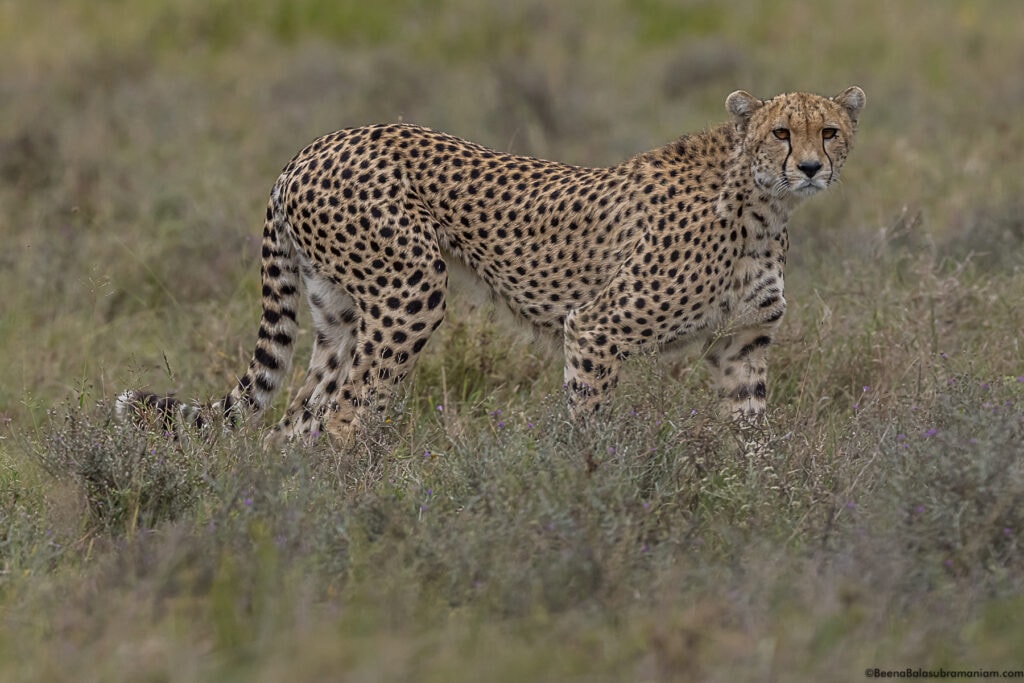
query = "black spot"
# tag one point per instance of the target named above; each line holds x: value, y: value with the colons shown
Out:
x: 760, y: 390
x: 435, y: 299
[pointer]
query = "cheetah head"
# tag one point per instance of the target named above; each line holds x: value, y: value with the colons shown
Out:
x: 797, y: 142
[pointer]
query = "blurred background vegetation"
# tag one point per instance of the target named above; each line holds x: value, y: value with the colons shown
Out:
x: 138, y: 141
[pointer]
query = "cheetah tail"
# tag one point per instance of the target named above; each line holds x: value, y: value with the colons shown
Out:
x: 272, y: 359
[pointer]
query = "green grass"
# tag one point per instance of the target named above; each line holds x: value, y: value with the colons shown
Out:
x: 877, y: 522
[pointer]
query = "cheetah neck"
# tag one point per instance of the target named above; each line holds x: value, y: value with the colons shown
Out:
x: 716, y: 159
x: 762, y: 215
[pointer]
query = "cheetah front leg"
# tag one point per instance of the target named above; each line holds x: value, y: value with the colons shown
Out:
x: 592, y: 362
x: 739, y: 370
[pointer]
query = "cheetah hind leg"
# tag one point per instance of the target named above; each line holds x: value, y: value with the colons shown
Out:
x: 387, y: 346
x: 335, y: 317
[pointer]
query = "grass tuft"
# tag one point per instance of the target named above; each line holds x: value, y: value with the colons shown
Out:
x: 131, y: 479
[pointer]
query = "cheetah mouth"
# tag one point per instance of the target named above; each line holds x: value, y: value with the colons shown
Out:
x: 805, y: 187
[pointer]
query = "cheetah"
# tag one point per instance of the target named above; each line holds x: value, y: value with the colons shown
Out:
x: 684, y: 243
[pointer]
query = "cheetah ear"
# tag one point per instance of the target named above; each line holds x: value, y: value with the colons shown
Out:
x: 742, y: 105
x: 852, y: 100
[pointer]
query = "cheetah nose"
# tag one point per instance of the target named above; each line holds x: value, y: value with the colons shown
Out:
x: 809, y: 167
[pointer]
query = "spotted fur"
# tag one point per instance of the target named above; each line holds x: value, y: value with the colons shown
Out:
x: 684, y: 243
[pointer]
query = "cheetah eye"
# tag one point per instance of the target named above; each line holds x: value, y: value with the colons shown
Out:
x: 781, y: 133
x: 828, y: 133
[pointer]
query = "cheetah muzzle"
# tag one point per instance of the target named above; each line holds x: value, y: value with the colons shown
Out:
x: 683, y: 243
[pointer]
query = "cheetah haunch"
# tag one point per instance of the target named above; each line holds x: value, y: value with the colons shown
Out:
x: 684, y: 243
